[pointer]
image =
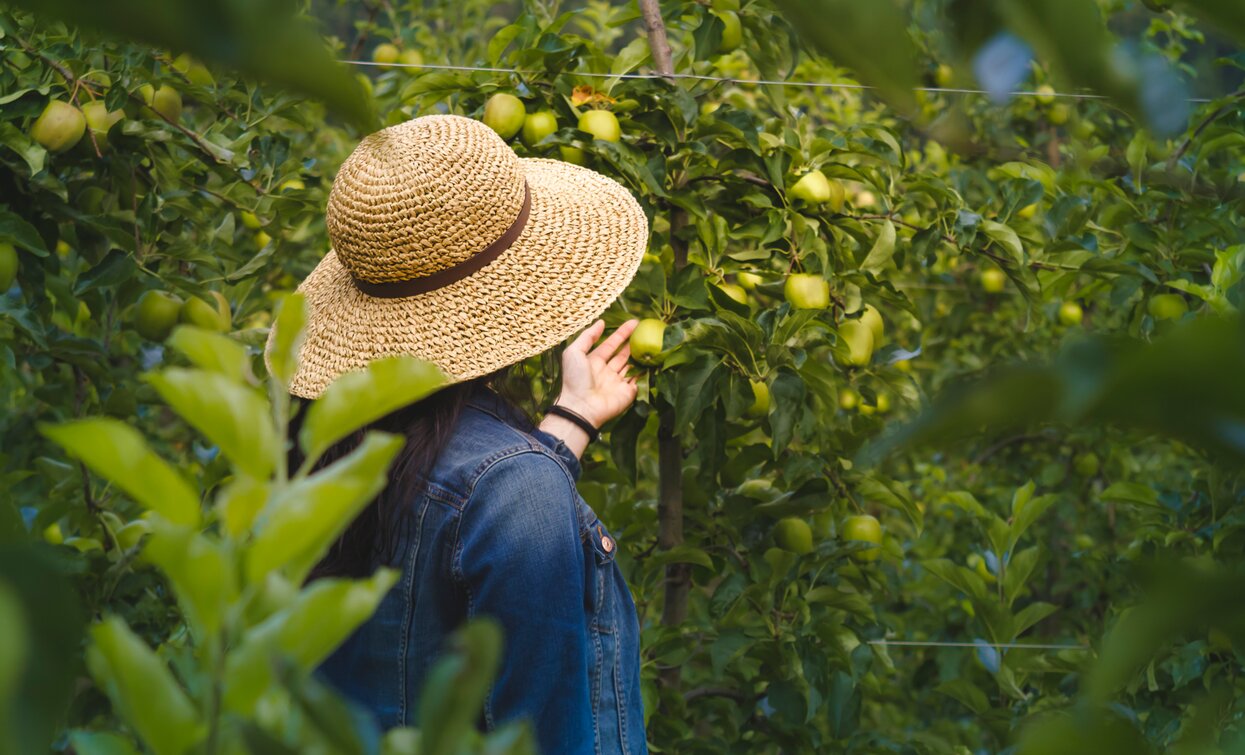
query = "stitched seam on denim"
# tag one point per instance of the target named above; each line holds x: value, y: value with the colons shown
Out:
x: 456, y: 572
x: 443, y: 494
x: 620, y: 701
x: 596, y: 691
x: 410, y: 616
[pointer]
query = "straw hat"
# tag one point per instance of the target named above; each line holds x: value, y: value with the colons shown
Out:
x: 450, y: 248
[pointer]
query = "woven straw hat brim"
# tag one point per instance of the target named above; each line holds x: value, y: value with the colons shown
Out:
x: 581, y: 246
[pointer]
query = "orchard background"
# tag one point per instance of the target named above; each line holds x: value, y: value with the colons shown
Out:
x: 1042, y: 408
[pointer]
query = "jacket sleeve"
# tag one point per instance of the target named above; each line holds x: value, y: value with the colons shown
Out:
x: 520, y: 560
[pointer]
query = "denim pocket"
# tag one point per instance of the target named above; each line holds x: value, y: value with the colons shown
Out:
x: 599, y: 551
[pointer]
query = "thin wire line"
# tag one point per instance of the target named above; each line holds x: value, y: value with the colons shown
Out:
x: 1022, y: 645
x: 729, y: 80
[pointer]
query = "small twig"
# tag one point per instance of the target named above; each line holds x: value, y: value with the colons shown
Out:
x: 727, y: 692
x: 1211, y: 118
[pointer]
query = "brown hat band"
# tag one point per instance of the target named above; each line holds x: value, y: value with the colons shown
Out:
x: 454, y: 273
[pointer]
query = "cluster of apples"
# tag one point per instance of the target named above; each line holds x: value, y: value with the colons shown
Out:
x: 507, y: 115
x: 62, y: 125
x: 795, y: 535
x: 158, y: 312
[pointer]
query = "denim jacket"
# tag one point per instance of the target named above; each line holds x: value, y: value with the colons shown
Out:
x: 500, y: 530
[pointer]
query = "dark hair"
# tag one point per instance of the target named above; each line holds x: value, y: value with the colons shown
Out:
x: 372, y: 538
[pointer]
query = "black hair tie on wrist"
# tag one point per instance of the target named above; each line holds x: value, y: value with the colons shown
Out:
x: 576, y: 419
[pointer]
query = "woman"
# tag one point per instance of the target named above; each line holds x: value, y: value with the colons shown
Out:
x: 448, y: 247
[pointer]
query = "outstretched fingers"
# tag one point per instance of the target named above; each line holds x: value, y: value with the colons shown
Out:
x: 587, y: 338
x: 605, y: 351
x: 619, y: 362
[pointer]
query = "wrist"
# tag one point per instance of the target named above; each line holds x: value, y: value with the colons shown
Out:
x: 581, y: 408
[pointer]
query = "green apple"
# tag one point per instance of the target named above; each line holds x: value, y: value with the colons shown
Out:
x: 732, y: 32
x: 993, y: 280
x: 413, y: 59
x: 859, y: 340
x: 813, y: 188
x: 52, y: 534
x: 1059, y: 114
x: 883, y: 403
x: 748, y: 281
x: 199, y: 313
x: 873, y: 318
x: 8, y: 266
x: 537, y: 126
x: 504, y: 113
x: 734, y: 291
x: 385, y: 53
x: 848, y: 399
x: 573, y: 155
x: 1027, y: 212
x: 760, y: 399
x: 165, y: 101
x: 1045, y: 94
x: 99, y: 120
x: 59, y: 127
x: 807, y: 291
x: 646, y: 340
x: 864, y: 528
x: 262, y: 239
x: 251, y: 220
x: 1070, y: 313
x: 1086, y: 464
x: 602, y: 124
x: 63, y: 248
x: 131, y: 534
x: 194, y: 71
x: 155, y: 315
x: 793, y: 534
x: 1167, y: 306
x: 944, y: 75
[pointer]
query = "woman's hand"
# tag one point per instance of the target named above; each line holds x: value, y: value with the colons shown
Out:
x: 595, y: 384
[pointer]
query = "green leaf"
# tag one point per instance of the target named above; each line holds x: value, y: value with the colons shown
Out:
x: 787, y: 393
x: 957, y: 576
x: 1020, y: 567
x: 286, y: 338
x: 682, y: 554
x: 894, y: 494
x: 864, y: 37
x: 118, y: 453
x: 456, y: 686
x: 100, y: 743
x: 304, y: 519
x: 200, y: 571
x: 212, y: 351
x: 883, y: 249
x: 1133, y: 493
x: 1030, y: 615
x: 1027, y: 515
x: 232, y: 416
x: 1005, y: 237
x: 142, y: 688
x: 21, y: 233
x: 851, y: 602
x: 305, y: 632
x: 359, y: 398
x: 967, y: 693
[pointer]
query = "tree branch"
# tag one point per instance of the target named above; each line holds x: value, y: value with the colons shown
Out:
x: 658, y: 44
